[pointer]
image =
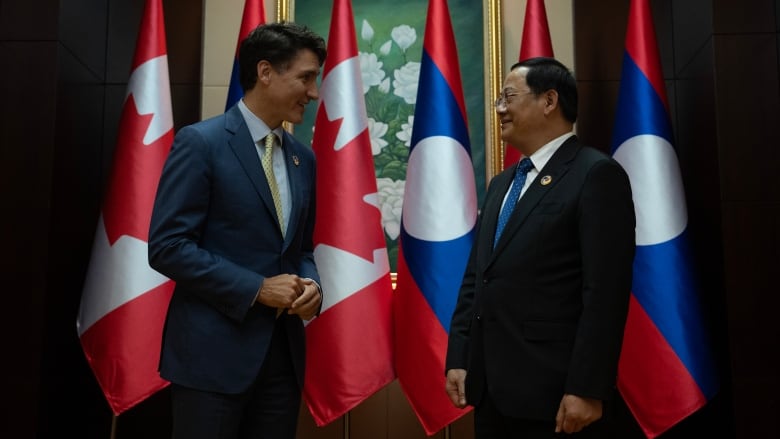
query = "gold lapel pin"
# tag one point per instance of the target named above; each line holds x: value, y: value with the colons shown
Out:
x: 546, y: 180
x: 296, y: 161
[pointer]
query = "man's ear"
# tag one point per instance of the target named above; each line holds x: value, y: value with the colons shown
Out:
x: 550, y: 101
x: 264, y: 72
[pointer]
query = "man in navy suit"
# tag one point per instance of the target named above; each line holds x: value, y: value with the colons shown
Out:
x: 538, y: 326
x: 233, y: 345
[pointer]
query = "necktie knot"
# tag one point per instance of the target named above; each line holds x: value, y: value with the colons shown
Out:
x: 521, y: 172
x: 524, y: 166
x: 270, y: 140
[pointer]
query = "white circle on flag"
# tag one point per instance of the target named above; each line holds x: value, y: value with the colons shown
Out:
x: 659, y: 200
x: 440, y: 200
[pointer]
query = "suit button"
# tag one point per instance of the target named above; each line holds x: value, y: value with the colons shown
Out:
x: 479, y: 317
x: 485, y: 281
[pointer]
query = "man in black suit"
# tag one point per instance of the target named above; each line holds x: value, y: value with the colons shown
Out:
x: 538, y: 326
x: 232, y: 226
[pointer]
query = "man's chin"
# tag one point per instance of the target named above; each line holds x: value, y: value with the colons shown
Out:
x: 505, y: 134
x: 294, y: 119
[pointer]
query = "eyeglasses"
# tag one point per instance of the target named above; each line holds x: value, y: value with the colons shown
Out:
x: 505, y: 99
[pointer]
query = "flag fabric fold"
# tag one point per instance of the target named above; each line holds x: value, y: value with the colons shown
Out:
x: 253, y: 16
x: 124, y: 301
x: 535, y: 42
x: 349, y: 346
x: 438, y: 217
x: 666, y: 370
x: 536, y: 33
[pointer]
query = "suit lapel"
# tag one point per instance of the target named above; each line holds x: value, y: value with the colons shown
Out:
x: 244, y: 148
x: 291, y: 162
x: 551, y: 174
x: 489, y: 214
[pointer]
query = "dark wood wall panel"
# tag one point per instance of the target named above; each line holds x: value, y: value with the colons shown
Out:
x: 691, y: 31
x: 27, y: 118
x: 22, y: 20
x: 752, y: 244
x: 596, y: 112
x: 748, y: 121
x: 63, y: 82
x: 746, y: 53
x: 730, y: 17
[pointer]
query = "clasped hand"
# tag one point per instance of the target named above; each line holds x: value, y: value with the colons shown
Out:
x: 295, y: 294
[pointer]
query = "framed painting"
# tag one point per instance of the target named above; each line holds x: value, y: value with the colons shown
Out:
x: 390, y: 40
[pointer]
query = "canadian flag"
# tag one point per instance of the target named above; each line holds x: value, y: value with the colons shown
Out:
x: 124, y: 301
x: 349, y: 346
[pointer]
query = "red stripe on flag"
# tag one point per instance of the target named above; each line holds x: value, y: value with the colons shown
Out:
x: 128, y: 205
x: 536, y: 33
x: 123, y: 348
x: 151, y: 40
x: 420, y: 364
x: 253, y: 16
x: 660, y: 400
x: 350, y: 375
x: 438, y: 44
x: 642, y: 46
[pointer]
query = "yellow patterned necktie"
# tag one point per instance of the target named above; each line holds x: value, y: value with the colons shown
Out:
x: 268, y: 167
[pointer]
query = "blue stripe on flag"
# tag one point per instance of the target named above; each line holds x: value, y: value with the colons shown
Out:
x: 436, y: 268
x: 436, y: 112
x: 637, y: 92
x: 234, y: 89
x: 662, y: 283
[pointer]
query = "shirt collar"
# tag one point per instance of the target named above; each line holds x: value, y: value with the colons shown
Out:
x: 257, y: 128
x: 543, y: 154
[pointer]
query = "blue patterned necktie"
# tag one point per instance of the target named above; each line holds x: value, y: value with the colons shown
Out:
x: 521, y: 172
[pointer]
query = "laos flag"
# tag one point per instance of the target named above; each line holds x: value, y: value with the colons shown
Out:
x: 666, y: 370
x: 253, y: 16
x: 438, y: 216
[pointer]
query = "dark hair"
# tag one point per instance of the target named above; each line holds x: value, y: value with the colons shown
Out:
x: 277, y: 43
x: 549, y: 74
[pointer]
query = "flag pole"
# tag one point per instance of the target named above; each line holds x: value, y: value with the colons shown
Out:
x: 346, y: 425
x: 113, y: 427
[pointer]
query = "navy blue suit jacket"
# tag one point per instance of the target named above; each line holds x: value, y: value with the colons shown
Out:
x: 214, y: 231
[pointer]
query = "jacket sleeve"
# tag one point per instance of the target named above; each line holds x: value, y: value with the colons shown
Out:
x: 607, y: 238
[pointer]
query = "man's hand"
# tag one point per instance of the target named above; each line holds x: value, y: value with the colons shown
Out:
x: 308, y: 303
x: 281, y: 291
x: 456, y: 387
x: 576, y: 413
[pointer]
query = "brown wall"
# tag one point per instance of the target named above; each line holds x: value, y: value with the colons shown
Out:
x: 64, y: 73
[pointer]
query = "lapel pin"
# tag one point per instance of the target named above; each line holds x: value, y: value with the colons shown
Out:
x: 296, y: 161
x: 546, y: 180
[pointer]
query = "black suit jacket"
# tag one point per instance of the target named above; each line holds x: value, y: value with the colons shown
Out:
x: 214, y: 231
x: 543, y: 314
